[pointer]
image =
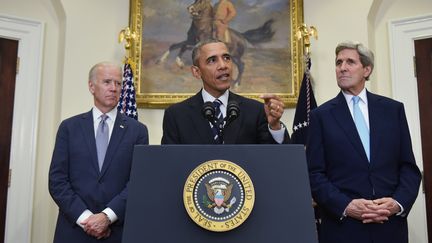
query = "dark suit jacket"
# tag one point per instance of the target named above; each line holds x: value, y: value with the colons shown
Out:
x: 339, y: 170
x: 75, y: 182
x: 184, y: 123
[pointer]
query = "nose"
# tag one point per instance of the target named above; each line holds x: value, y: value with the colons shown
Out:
x: 113, y: 86
x: 222, y: 64
x: 343, y: 67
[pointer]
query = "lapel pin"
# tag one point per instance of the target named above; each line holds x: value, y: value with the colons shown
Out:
x: 121, y: 126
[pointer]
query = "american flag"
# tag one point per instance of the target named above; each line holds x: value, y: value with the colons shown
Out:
x: 305, y: 103
x: 127, y: 103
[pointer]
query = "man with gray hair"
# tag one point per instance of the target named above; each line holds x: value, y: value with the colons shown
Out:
x: 91, y: 164
x: 362, y: 168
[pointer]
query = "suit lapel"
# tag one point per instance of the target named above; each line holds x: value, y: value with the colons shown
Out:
x: 89, y: 134
x: 201, y: 125
x: 375, y: 123
x: 119, y: 129
x: 342, y: 115
x: 232, y: 130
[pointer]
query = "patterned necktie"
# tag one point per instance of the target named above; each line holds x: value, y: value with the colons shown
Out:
x: 102, y: 140
x: 362, y: 128
x: 218, y: 121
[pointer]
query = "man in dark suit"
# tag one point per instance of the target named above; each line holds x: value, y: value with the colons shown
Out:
x: 362, y: 169
x: 184, y: 122
x: 88, y: 184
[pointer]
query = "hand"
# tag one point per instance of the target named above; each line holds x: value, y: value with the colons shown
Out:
x: 384, y: 208
x: 274, y: 108
x: 104, y: 234
x: 97, y: 225
x: 367, y: 211
x: 387, y: 203
x: 379, y: 215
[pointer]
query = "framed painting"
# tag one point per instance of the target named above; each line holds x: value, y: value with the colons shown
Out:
x: 166, y: 31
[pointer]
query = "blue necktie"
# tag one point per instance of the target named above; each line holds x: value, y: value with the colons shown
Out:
x: 102, y: 140
x: 218, y: 121
x: 362, y: 128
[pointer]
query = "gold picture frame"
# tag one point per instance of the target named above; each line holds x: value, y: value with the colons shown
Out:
x: 275, y: 66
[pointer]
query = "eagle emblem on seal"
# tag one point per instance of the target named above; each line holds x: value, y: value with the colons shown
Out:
x: 219, y: 193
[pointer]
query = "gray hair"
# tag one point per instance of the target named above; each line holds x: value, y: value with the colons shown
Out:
x: 94, y: 69
x: 366, y: 55
x: 197, y: 49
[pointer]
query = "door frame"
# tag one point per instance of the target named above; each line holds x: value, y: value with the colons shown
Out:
x: 19, y: 211
x: 402, y: 33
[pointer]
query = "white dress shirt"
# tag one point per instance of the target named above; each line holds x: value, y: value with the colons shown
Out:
x: 278, y: 135
x: 363, y: 105
x: 112, y: 115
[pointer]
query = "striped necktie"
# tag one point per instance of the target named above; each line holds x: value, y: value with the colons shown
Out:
x: 219, y: 122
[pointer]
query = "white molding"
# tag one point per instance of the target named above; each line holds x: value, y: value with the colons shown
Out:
x: 402, y: 34
x: 19, y: 213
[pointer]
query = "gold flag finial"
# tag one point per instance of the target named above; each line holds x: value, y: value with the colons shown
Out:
x: 128, y: 36
x: 305, y: 33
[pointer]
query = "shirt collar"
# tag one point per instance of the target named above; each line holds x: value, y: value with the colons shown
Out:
x: 112, y: 114
x: 208, y: 97
x: 362, y: 95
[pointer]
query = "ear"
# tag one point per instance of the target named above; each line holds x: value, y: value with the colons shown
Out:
x: 196, y: 72
x: 367, y: 72
x: 91, y: 86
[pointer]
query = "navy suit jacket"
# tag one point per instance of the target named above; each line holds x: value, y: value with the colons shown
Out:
x: 184, y: 123
x: 75, y: 182
x: 340, y: 172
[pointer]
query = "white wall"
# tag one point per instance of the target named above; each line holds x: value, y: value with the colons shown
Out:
x: 391, y: 10
x: 336, y: 21
x: 80, y: 33
x: 92, y: 29
x: 44, y: 212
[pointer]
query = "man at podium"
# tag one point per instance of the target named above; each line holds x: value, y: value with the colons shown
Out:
x: 216, y: 115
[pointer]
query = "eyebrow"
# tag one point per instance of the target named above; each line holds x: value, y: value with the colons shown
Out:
x: 210, y: 57
x: 347, y: 59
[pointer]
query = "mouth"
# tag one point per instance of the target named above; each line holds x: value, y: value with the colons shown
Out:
x: 344, y: 77
x: 223, y: 76
x: 111, y: 97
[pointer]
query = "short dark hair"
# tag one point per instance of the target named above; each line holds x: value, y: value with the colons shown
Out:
x: 197, y: 48
x: 366, y: 55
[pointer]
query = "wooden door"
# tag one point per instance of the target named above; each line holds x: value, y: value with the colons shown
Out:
x: 8, y: 64
x: 423, y: 52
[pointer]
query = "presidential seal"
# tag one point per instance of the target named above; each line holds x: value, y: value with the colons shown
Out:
x: 218, y: 195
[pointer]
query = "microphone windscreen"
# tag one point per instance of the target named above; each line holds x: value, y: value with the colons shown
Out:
x: 233, y: 111
x: 208, y: 111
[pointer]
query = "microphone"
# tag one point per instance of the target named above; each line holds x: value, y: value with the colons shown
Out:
x: 233, y: 111
x: 208, y: 111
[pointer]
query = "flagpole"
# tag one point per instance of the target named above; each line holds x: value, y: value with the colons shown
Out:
x: 305, y: 33
x: 306, y: 100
